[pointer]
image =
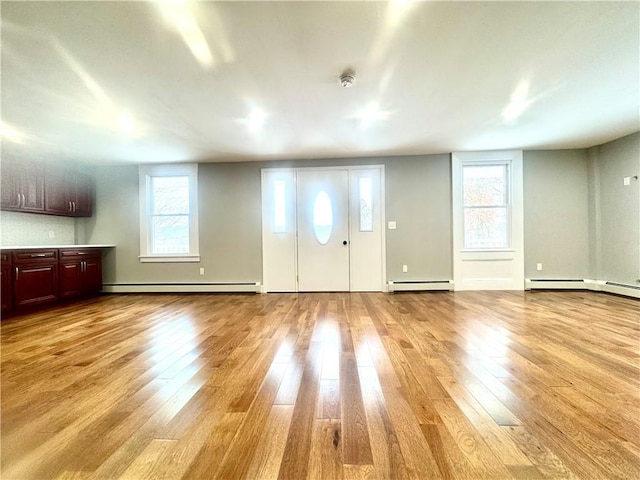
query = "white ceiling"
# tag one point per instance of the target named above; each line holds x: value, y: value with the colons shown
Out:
x: 118, y: 82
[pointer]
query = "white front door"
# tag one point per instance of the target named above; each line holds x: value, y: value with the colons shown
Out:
x: 323, y: 230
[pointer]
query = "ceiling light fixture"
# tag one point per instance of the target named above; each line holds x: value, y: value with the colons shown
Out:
x: 255, y: 120
x: 347, y: 79
x: 10, y: 133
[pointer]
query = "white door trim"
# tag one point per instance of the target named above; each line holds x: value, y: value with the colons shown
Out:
x: 267, y: 243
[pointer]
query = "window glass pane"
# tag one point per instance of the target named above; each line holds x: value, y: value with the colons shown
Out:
x: 485, y: 227
x: 366, y: 206
x: 279, y: 214
x: 169, y: 195
x: 484, y: 185
x: 170, y: 234
x: 322, y: 218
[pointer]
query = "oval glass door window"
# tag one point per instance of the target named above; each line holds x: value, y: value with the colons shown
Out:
x: 322, y: 218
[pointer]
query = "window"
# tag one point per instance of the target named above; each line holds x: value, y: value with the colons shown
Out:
x: 366, y: 205
x: 169, y: 213
x: 322, y: 218
x: 279, y: 204
x: 485, y: 206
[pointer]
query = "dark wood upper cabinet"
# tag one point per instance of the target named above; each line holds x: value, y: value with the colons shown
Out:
x: 28, y: 187
x: 55, y: 199
x: 80, y: 191
x: 22, y: 186
x: 68, y: 193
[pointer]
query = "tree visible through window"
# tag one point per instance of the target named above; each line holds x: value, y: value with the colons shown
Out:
x: 169, y: 214
x: 486, y: 206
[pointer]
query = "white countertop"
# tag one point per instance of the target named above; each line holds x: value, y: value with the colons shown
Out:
x: 28, y: 247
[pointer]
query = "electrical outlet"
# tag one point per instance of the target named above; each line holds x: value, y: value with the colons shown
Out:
x: 626, y: 181
x: 392, y: 225
x: 539, y: 267
x: 405, y: 269
x: 52, y: 234
x: 201, y: 270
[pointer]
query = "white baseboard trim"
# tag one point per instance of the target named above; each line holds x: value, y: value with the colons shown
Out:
x: 249, y: 287
x: 420, y: 286
x: 583, y: 284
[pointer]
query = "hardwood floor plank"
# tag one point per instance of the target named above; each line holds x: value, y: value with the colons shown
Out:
x: 270, y: 449
x: 465, y: 385
x: 326, y: 455
x: 356, y: 445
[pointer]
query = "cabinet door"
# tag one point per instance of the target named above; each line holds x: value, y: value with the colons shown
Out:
x: 93, y: 274
x: 71, y: 282
x: 22, y: 186
x: 9, y: 187
x: 83, y: 201
x: 6, y: 293
x: 56, y: 200
x: 32, y: 187
x: 33, y: 284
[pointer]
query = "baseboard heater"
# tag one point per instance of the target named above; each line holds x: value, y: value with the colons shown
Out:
x: 554, y: 284
x: 420, y: 285
x: 583, y: 284
x: 219, y: 287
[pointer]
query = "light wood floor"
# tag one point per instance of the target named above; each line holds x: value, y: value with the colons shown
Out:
x: 437, y: 385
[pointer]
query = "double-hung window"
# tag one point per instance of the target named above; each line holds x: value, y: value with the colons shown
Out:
x: 169, y: 213
x: 486, y: 206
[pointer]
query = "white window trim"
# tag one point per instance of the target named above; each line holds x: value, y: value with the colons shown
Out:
x: 493, y: 268
x: 145, y: 172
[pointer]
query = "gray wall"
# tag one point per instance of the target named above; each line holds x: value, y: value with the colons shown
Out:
x: 580, y: 221
x: 556, y: 214
x: 615, y: 210
x: 418, y: 198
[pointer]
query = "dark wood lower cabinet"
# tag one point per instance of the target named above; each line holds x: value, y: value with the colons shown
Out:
x: 6, y: 290
x: 80, y: 272
x: 34, y: 284
x: 37, y: 276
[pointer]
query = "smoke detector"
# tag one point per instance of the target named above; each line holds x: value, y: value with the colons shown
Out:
x: 347, y: 79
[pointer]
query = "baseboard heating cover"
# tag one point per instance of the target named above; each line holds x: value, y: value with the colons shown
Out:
x: 554, y: 284
x: 420, y: 285
x: 584, y: 284
x: 223, y: 287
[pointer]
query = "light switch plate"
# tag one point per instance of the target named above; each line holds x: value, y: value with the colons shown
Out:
x: 626, y: 181
x: 392, y: 225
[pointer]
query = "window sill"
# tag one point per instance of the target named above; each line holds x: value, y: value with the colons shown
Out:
x: 169, y: 258
x: 486, y: 250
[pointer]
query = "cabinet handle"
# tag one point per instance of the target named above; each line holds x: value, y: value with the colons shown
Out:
x: 17, y: 273
x: 19, y: 201
x: 23, y: 200
x: 74, y: 207
x: 34, y: 255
